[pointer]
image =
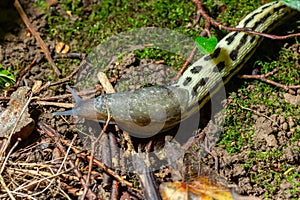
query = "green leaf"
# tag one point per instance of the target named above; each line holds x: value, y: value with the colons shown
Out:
x: 206, y: 45
x: 292, y: 3
x: 6, y: 78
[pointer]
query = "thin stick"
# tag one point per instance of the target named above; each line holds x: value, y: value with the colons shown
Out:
x: 248, y: 30
x: 44, y: 128
x: 263, y: 77
x: 6, y: 188
x: 259, y: 114
x: 37, y: 36
x: 9, y: 153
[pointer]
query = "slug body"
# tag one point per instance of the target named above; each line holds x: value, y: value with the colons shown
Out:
x: 152, y: 110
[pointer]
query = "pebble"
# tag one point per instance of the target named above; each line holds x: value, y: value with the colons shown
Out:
x: 285, y: 126
x: 291, y: 122
x: 271, y: 141
x: 291, y: 92
x: 281, y: 119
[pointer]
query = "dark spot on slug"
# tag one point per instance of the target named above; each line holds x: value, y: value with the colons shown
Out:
x: 216, y: 53
x: 256, y: 24
x: 186, y: 81
x: 254, y: 14
x: 243, y: 41
x: 219, y: 67
x: 266, y: 6
x: 251, y: 18
x: 252, y: 39
x: 199, y: 84
x: 196, y: 69
x: 139, y: 117
x: 233, y: 54
x: 142, y: 121
x: 230, y: 38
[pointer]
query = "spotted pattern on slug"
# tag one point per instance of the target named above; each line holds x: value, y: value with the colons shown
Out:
x: 215, y: 54
x: 230, y: 38
x: 200, y: 83
x: 246, y: 22
x: 187, y: 81
x: 196, y: 69
x: 219, y: 67
x: 234, y: 53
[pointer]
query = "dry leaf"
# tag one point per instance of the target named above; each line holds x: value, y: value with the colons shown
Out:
x: 61, y: 47
x: 201, y: 188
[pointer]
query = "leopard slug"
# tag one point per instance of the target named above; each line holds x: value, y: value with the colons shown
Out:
x: 148, y: 111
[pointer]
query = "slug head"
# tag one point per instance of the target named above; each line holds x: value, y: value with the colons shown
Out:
x: 83, y: 108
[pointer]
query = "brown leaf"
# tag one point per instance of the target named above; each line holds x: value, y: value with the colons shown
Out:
x: 201, y: 188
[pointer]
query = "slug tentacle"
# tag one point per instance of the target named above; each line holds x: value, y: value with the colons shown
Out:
x: 74, y: 111
x: 77, y: 99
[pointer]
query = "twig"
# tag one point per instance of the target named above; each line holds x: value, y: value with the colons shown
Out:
x: 55, y: 137
x: 41, y: 180
x: 58, y: 104
x: 108, y: 88
x: 8, y: 155
x: 263, y: 77
x: 46, y: 85
x: 37, y: 36
x: 58, y: 97
x: 259, y: 114
x: 6, y: 188
x: 146, y: 177
x: 70, y: 55
x: 102, y: 166
x: 248, y: 30
x: 23, y: 72
x: 92, y: 157
x: 114, y: 156
x: 67, y: 78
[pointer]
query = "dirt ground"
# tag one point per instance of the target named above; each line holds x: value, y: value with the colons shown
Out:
x: 39, y: 157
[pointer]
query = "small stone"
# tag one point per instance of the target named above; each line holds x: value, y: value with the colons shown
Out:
x: 291, y: 91
x: 281, y: 134
x: 271, y: 141
x: 285, y: 126
x: 292, y: 99
x: 238, y: 170
x: 291, y: 122
x: 281, y: 119
x: 285, y: 185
